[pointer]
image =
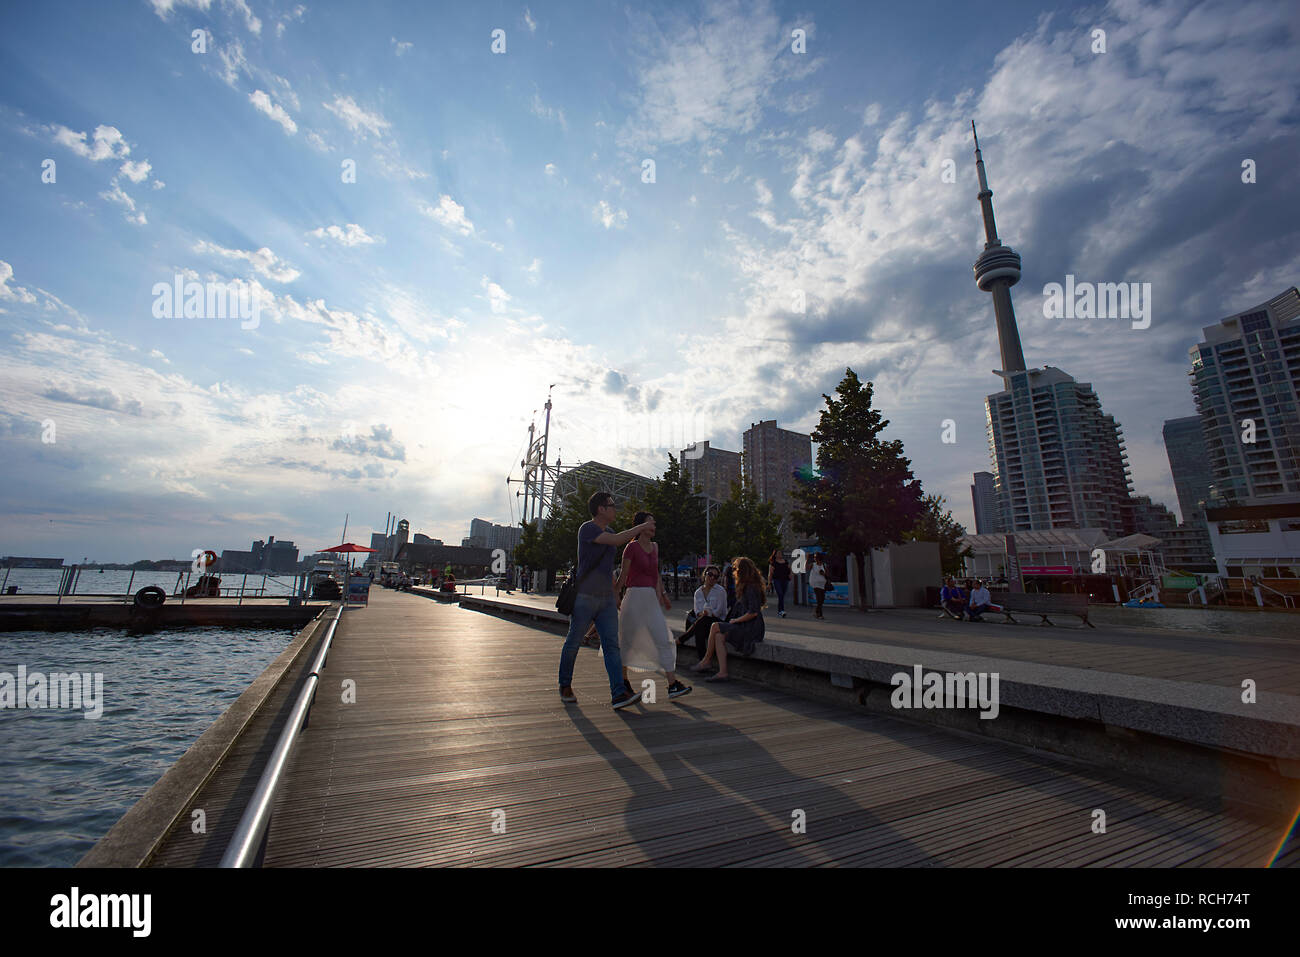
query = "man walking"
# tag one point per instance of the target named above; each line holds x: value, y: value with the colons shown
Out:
x: 594, y: 601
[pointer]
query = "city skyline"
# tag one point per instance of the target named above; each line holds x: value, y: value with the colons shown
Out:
x: 501, y: 236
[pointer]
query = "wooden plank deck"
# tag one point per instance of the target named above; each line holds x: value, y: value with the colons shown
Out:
x: 457, y: 716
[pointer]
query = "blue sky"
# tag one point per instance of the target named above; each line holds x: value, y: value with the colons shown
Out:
x: 500, y: 237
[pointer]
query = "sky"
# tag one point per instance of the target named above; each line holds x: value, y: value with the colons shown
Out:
x: 437, y: 213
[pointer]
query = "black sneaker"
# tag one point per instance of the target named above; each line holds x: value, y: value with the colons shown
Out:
x: 567, y: 695
x: 677, y: 689
x: 626, y: 699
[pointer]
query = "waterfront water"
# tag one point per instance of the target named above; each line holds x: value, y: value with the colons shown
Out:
x: 1201, y: 621
x: 115, y: 581
x: 65, y: 779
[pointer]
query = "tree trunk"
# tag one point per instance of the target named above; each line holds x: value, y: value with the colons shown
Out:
x: 861, y: 563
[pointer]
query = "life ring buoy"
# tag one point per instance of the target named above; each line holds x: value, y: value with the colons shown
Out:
x: 151, y: 596
x: 209, y: 558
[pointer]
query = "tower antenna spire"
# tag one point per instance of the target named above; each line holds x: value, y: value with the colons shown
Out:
x: 996, y: 271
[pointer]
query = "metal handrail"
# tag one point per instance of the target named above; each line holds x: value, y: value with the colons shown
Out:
x: 248, y: 846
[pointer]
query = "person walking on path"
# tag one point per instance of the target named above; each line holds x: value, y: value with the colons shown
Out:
x: 594, y: 600
x: 710, y: 606
x: 746, y: 628
x: 645, y: 642
x: 778, y: 573
x: 817, y: 579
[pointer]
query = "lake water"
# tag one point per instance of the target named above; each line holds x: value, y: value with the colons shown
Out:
x: 114, y: 581
x: 65, y: 779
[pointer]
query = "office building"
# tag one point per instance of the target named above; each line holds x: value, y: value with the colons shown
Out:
x: 772, y: 457
x: 714, y: 470
x: 485, y: 534
x: 984, y: 498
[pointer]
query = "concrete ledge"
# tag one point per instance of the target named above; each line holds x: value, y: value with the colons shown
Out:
x: 133, y: 840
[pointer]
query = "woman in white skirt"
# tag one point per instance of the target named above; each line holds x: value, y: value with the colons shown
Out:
x: 644, y: 640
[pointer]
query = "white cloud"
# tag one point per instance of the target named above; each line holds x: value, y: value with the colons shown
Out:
x: 713, y: 75
x: 351, y: 235
x: 262, y: 103
x: 263, y: 261
x: 315, y: 141
x: 540, y: 109
x: 529, y: 21
x: 357, y: 119
x: 401, y: 46
x: 449, y: 213
x: 119, y: 196
x: 17, y: 293
x: 136, y: 172
x: 497, y: 297
x: 534, y: 271
x: 871, y: 115
x: 295, y: 14
x: 164, y: 8
x: 550, y: 169
x: 107, y: 142
x: 233, y: 63
x: 608, y: 216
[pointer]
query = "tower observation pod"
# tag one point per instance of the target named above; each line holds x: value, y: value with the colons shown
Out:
x: 996, y: 271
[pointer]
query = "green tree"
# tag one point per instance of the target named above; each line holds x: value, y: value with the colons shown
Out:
x: 746, y: 525
x: 936, y: 524
x: 528, y: 551
x: 865, y: 496
x: 679, y: 517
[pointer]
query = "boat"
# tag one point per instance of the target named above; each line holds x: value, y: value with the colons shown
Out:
x: 325, y: 580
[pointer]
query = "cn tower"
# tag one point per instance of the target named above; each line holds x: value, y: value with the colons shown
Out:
x: 996, y: 271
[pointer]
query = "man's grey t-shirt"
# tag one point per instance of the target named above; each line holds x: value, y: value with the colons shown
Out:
x: 599, y: 581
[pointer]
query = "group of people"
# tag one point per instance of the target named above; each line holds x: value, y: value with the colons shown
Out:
x: 626, y: 608
x: 970, y: 602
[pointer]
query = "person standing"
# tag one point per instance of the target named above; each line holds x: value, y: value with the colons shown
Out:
x: 645, y: 642
x: 746, y: 628
x: 710, y: 606
x: 817, y: 579
x: 778, y: 573
x: 594, y: 600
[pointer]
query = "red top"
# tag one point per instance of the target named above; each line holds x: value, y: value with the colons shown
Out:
x: 644, y: 571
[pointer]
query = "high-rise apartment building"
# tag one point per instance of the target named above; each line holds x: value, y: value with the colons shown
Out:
x: 1246, y: 380
x: 1058, y: 460
x: 772, y: 456
x: 1190, y: 466
x: 713, y: 469
x: 984, y: 498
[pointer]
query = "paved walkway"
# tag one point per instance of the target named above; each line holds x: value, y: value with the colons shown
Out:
x: 458, y: 751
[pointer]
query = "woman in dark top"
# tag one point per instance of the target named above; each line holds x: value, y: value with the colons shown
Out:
x: 746, y: 628
x: 778, y: 573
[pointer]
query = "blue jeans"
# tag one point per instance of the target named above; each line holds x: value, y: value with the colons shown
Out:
x: 780, y: 587
x: 604, y: 611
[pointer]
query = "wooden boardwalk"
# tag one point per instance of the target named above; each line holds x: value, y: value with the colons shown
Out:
x: 457, y: 727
